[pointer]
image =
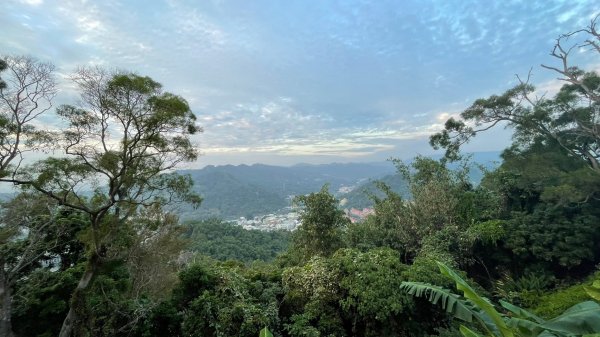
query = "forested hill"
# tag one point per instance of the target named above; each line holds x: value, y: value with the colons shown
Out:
x: 298, y: 179
x: 247, y: 190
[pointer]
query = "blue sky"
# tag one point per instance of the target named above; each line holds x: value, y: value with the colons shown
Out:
x: 316, y: 81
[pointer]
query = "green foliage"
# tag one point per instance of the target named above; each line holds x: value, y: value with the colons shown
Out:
x: 531, y: 224
x: 557, y: 235
x: 229, y: 197
x: 549, y: 181
x: 369, y: 282
x: 312, y: 294
x: 225, y: 241
x: 129, y: 171
x: 381, y: 229
x: 580, y: 319
x: 218, y: 300
x: 35, y: 232
x: 37, y: 236
x: 163, y: 320
x: 552, y: 303
x: 265, y: 333
x: 353, y: 293
x: 425, y: 269
x: 447, y: 332
x: 321, y: 225
x: 526, y: 289
x: 565, y: 118
x: 540, y: 189
x: 42, y: 301
x: 483, y: 304
x: 3, y: 67
x: 444, y: 219
x: 488, y: 232
x: 107, y: 308
x: 593, y: 290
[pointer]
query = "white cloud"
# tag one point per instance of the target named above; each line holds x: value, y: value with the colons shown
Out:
x: 193, y: 25
x: 32, y: 2
x: 548, y: 89
x: 566, y: 16
x: 444, y: 116
x: 353, y: 78
x: 280, y: 128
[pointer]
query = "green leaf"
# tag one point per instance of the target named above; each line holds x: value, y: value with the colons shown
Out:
x: 580, y: 319
x: 468, y: 332
x: 265, y: 333
x: 478, y: 301
x: 593, y: 290
x: 452, y: 303
x: 520, y: 312
x: 525, y: 327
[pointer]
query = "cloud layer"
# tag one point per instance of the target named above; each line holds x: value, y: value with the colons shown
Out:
x: 312, y: 81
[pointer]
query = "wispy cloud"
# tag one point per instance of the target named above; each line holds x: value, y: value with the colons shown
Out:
x: 32, y: 2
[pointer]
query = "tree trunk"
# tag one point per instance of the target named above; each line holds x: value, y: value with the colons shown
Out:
x: 77, y: 300
x: 5, y: 305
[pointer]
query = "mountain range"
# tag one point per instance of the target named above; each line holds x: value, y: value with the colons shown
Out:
x: 233, y: 191
x: 230, y: 192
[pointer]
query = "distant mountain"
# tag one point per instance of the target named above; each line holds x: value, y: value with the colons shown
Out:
x: 226, y: 196
x: 298, y: 179
x: 231, y: 192
x: 360, y: 197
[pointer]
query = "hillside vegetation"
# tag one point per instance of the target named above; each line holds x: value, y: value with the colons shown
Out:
x: 91, y: 245
x: 224, y: 241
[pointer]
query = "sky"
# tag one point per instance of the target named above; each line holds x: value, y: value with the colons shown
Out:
x: 312, y: 81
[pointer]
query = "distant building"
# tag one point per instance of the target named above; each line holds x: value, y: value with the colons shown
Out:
x: 358, y: 215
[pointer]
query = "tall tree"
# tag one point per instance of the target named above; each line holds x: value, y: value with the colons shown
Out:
x: 25, y: 93
x: 571, y: 118
x: 549, y: 181
x: 122, y: 142
x: 320, y: 231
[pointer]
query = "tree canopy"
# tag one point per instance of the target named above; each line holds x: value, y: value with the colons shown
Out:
x: 570, y: 118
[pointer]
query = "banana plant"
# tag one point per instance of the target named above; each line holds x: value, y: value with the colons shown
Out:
x: 582, y: 319
x: 265, y: 333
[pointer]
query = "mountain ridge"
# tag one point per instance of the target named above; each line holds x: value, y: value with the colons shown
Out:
x: 233, y: 191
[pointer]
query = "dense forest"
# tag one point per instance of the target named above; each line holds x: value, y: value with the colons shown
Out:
x: 88, y: 249
x: 225, y: 241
